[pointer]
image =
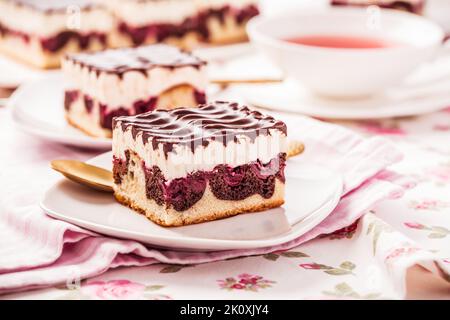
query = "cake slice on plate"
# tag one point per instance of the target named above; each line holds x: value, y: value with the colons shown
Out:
x: 414, y: 6
x: 186, y: 166
x: 41, y: 32
x: 122, y: 82
x: 180, y: 22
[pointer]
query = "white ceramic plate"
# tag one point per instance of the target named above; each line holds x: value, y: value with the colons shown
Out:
x: 311, y: 195
x: 38, y: 109
x: 14, y: 73
x: 425, y: 91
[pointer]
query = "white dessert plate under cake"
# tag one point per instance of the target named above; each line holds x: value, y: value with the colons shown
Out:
x: 312, y: 193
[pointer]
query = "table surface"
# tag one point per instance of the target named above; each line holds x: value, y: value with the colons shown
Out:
x: 291, y: 275
x: 336, y: 266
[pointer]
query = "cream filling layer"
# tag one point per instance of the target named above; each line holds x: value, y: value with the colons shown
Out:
x: 46, y: 25
x: 138, y: 13
x: 116, y: 91
x: 181, y: 160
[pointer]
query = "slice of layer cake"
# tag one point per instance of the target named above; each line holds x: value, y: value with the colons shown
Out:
x: 180, y: 22
x: 131, y: 81
x: 41, y: 32
x: 185, y: 166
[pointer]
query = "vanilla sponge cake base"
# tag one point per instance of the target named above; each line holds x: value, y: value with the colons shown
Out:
x: 33, y: 55
x: 188, y: 42
x: 226, y: 32
x: 131, y: 192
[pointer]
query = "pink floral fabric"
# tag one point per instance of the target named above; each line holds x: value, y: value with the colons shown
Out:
x: 363, y: 252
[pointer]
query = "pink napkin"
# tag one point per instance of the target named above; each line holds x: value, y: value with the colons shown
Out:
x: 38, y: 251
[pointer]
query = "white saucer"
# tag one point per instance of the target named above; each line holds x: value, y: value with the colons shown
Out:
x: 424, y: 91
x: 38, y: 109
x: 311, y: 195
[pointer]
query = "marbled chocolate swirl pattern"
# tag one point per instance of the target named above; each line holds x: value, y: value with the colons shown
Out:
x: 218, y: 121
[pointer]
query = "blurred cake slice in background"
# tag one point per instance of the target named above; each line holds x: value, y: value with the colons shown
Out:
x: 130, y: 81
x: 141, y: 22
x: 222, y: 21
x: 180, y: 22
x: 40, y: 32
x: 414, y: 6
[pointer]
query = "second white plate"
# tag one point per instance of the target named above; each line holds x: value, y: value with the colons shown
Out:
x: 38, y: 109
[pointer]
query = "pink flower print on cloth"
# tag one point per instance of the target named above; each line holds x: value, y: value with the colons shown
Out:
x: 113, y: 290
x: 245, y: 281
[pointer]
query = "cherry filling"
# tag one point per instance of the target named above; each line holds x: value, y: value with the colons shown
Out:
x: 402, y: 5
x: 145, y: 106
x: 88, y: 103
x: 225, y: 182
x: 183, y: 193
x: 58, y: 42
x: 120, y: 167
x: 69, y: 98
x: 198, y: 24
x: 160, y: 32
x: 54, y: 44
x: 106, y: 115
x: 4, y: 31
x: 200, y: 97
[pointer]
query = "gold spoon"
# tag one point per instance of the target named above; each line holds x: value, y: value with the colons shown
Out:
x: 85, y: 174
x: 102, y: 180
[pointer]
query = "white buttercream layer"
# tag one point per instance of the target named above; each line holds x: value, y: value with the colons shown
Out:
x: 181, y: 160
x: 116, y: 92
x: 138, y: 13
x: 49, y: 24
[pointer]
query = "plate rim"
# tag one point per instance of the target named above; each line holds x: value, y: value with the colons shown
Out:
x: 200, y: 244
x: 24, y: 122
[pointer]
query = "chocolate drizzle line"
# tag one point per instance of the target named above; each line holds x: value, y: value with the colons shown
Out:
x: 218, y: 121
x: 141, y: 59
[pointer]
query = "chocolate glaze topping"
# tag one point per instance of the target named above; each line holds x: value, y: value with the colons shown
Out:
x: 52, y: 6
x: 119, y: 61
x: 218, y: 121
